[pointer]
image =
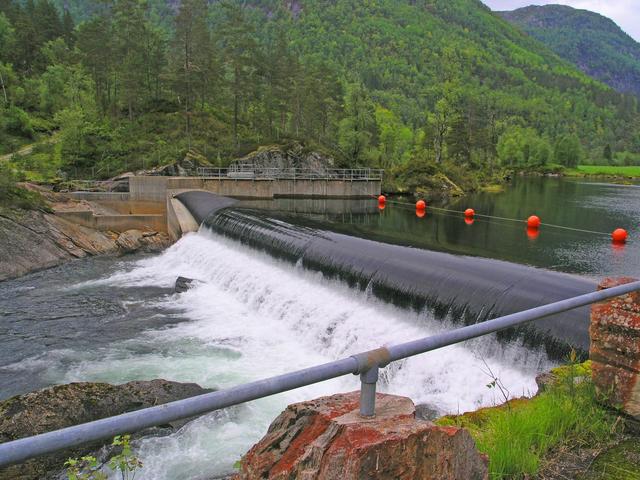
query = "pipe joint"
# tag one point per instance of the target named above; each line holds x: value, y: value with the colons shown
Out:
x: 366, y: 361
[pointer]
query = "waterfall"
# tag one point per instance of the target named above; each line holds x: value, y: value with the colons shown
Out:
x: 470, y: 289
x: 253, y: 316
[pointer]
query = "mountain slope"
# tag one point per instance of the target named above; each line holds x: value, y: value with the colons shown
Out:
x: 413, y: 54
x: 389, y: 83
x: 594, y: 43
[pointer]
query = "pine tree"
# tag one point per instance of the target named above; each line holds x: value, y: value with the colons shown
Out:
x: 239, y: 56
x: 94, y: 40
x: 193, y: 56
x: 68, y: 28
x: 608, y: 154
x: 131, y: 30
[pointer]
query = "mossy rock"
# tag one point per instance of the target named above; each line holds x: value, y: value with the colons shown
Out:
x: 62, y: 406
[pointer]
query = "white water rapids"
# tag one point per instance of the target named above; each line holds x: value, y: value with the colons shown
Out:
x: 252, y: 317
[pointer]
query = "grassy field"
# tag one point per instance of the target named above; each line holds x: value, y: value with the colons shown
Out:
x: 605, y: 170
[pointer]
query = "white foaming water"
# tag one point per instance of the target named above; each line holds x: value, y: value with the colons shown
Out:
x: 253, y: 317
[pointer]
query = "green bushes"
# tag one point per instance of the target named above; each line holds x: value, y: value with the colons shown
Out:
x: 14, y: 196
x: 520, y: 147
x: 125, y: 465
x: 16, y: 121
x: 517, y: 436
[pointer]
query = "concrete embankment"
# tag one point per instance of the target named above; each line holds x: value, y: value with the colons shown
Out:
x: 151, y: 201
x: 33, y: 240
x: 155, y: 188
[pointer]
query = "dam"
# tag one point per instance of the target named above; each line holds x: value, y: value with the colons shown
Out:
x: 288, y: 283
x: 466, y: 288
x: 147, y: 203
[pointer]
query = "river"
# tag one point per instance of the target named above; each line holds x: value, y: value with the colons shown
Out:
x: 253, y: 316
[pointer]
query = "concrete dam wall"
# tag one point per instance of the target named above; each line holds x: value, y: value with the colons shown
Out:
x: 146, y: 188
x: 457, y: 288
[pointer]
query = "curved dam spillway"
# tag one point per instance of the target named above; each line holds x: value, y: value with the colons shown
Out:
x: 462, y: 289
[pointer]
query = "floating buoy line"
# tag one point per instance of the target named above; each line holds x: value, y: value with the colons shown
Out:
x: 533, y: 223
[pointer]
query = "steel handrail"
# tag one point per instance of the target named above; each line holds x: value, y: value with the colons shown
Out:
x: 293, y: 173
x: 366, y: 364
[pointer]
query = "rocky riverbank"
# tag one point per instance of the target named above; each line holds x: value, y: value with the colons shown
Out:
x: 32, y: 240
x: 66, y: 405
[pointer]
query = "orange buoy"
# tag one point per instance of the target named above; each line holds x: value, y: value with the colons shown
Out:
x: 469, y: 220
x: 469, y: 212
x: 533, y: 232
x: 382, y: 199
x: 533, y: 221
x: 619, y: 235
x: 421, y: 205
x: 420, y: 212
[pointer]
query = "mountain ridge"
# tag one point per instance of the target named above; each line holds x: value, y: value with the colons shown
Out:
x: 592, y: 42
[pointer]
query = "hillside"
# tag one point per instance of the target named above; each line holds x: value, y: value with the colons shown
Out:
x: 594, y: 43
x: 422, y: 86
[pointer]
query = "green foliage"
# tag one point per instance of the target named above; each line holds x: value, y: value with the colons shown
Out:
x: 519, y: 146
x: 587, y: 39
x: 517, y: 438
x: 14, y: 196
x: 85, y: 468
x: 607, y: 170
x: 358, y: 130
x: 7, y: 36
x: 396, y: 139
x: 16, y: 121
x: 568, y: 151
x: 607, y: 153
x: 386, y: 83
x: 126, y: 464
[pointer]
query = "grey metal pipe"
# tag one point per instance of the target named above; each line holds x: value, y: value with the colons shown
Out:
x: 368, y: 381
x: 415, y: 347
x: 19, y: 450
x: 25, y: 448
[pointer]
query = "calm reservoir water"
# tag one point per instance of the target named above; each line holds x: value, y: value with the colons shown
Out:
x: 117, y: 320
x: 591, y: 210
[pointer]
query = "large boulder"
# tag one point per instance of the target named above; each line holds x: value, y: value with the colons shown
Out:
x: 281, y: 157
x: 134, y: 240
x: 65, y: 405
x: 326, y: 439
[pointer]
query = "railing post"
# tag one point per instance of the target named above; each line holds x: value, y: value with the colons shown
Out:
x: 368, y: 380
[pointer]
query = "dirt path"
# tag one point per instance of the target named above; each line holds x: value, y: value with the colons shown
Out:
x: 27, y: 149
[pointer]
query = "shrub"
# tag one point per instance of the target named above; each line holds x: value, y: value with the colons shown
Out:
x: 17, y: 122
x: 125, y: 463
x: 518, y: 437
x: 14, y: 196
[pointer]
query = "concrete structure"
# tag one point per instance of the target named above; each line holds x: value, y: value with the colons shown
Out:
x: 117, y: 223
x: 147, y: 188
x: 179, y: 219
x: 149, y: 204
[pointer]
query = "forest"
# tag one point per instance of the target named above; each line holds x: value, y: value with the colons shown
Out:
x: 107, y: 86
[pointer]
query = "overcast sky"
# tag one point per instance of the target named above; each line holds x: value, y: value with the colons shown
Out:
x: 625, y: 13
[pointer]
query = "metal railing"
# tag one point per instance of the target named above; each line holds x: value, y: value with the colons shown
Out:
x: 365, y: 364
x: 249, y: 171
